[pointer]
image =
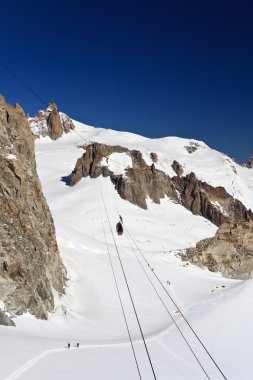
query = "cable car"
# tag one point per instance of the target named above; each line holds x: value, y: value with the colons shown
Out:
x: 119, y: 228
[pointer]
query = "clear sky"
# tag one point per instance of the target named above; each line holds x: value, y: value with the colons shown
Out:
x: 156, y: 68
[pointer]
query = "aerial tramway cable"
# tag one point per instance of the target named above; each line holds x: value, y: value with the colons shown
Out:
x: 175, y: 304
x: 166, y: 308
x: 11, y: 72
x: 128, y: 288
x: 119, y: 296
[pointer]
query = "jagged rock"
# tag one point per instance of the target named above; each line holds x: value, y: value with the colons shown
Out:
x: 55, y: 128
x: 249, y: 163
x: 139, y: 182
x: 142, y: 181
x: 177, y: 167
x: 30, y: 265
x: 154, y: 157
x: 213, y: 203
x: 89, y: 163
x: 192, y: 147
x: 230, y: 251
x: 50, y: 122
x: 5, y: 320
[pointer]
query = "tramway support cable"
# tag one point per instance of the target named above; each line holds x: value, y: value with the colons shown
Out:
x: 120, y: 299
x: 17, y: 77
x: 166, y: 308
x: 178, y: 308
x: 128, y: 288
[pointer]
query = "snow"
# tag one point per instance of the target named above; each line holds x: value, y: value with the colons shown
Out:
x: 11, y: 157
x: 90, y: 313
x: 118, y: 162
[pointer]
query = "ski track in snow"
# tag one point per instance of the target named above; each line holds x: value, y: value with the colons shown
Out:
x: 32, y: 362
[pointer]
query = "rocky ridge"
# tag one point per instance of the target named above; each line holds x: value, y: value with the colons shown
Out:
x: 30, y: 265
x: 50, y: 122
x: 229, y: 252
x: 249, y: 163
x: 141, y: 181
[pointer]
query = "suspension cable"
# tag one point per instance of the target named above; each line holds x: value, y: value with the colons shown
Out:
x: 175, y: 304
x: 119, y: 296
x: 129, y: 291
x: 166, y: 308
x: 11, y: 72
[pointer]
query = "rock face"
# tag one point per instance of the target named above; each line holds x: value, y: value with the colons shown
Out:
x: 30, y: 265
x: 5, y: 320
x: 141, y: 181
x: 249, y: 163
x: 138, y: 182
x: 178, y: 168
x: 50, y: 122
x: 213, y: 203
x: 230, y: 251
x: 154, y: 157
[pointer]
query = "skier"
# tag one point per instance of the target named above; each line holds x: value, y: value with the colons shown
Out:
x: 68, y: 345
x: 77, y: 345
x: 120, y: 218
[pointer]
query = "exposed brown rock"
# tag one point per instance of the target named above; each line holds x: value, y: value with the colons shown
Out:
x: 230, y: 251
x: 249, y: 163
x: 5, y: 320
x: 55, y: 128
x: 192, y: 147
x: 138, y: 183
x: 142, y: 181
x: 154, y: 157
x: 30, y: 265
x: 50, y: 122
x: 177, y: 167
x: 213, y: 203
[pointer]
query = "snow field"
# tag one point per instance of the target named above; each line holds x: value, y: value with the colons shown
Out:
x: 90, y: 313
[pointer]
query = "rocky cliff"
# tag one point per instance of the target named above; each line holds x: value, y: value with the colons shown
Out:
x: 140, y: 181
x: 30, y: 265
x: 249, y: 163
x: 50, y: 122
x: 230, y: 251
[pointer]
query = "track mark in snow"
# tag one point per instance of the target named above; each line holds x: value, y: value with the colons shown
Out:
x: 179, y: 357
x: 32, y: 362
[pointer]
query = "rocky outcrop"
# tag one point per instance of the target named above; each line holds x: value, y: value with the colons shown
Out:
x: 213, y: 203
x: 5, y: 320
x: 141, y: 181
x: 178, y: 168
x: 154, y: 157
x: 192, y: 147
x: 30, y: 265
x: 249, y: 163
x: 229, y: 252
x: 138, y: 182
x: 50, y: 122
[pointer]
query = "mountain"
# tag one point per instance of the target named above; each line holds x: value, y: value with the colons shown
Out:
x: 30, y: 265
x: 158, y: 186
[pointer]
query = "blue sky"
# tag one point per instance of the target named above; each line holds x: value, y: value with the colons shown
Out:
x: 156, y: 68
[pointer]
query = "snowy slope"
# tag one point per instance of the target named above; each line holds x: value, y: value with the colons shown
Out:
x: 90, y: 311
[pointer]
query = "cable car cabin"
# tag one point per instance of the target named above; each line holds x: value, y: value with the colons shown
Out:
x: 119, y: 228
